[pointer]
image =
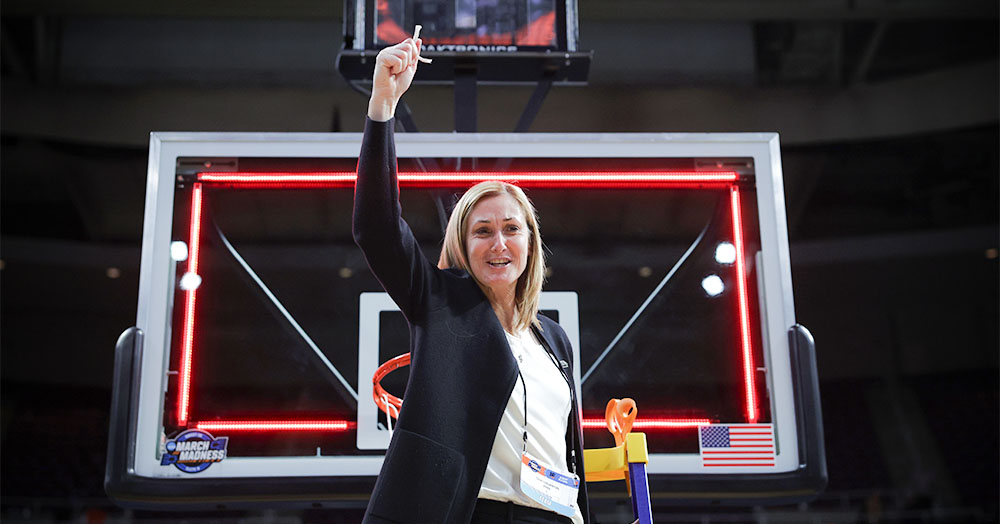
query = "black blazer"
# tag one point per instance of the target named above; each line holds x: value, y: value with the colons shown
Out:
x: 462, y: 372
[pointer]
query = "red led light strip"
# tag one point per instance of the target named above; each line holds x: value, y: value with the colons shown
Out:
x: 579, y: 179
x: 187, y: 351
x: 536, y: 179
x: 277, y: 425
x: 747, y: 464
x: 748, y: 365
x: 651, y: 423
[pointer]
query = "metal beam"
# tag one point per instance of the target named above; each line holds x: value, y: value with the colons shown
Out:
x: 944, y: 100
x: 789, y: 10
x: 290, y: 9
x: 871, y: 48
x: 622, y: 10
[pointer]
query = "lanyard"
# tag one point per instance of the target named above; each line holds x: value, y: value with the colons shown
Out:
x: 524, y: 391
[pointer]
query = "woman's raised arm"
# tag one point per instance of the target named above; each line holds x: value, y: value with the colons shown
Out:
x: 379, y: 229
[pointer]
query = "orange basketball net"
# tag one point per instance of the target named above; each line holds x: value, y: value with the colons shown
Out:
x: 383, y: 399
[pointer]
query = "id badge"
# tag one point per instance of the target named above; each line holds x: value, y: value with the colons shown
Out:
x: 553, y: 489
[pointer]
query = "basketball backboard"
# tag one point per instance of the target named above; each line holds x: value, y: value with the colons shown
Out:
x: 261, y: 324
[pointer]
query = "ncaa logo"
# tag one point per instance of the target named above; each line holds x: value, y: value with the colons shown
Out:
x: 194, y: 450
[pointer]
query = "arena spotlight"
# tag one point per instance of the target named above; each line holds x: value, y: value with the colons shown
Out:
x: 725, y: 253
x: 178, y: 250
x: 190, y: 281
x: 713, y: 285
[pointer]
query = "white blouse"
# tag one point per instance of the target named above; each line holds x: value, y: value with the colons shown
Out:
x: 549, y: 404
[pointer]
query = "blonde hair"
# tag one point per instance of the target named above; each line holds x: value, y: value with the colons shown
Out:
x: 528, y: 290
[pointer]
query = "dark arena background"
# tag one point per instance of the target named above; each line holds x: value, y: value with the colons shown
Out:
x: 889, y: 126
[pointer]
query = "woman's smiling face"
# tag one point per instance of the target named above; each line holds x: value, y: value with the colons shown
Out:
x: 496, y: 243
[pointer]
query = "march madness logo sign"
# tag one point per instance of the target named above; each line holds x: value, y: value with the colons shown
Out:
x: 194, y: 450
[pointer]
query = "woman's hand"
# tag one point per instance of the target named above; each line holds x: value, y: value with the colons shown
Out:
x: 394, y: 70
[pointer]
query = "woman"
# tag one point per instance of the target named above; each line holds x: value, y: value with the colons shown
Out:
x: 490, y: 378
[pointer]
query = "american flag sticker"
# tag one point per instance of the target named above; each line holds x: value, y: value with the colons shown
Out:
x: 736, y: 445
